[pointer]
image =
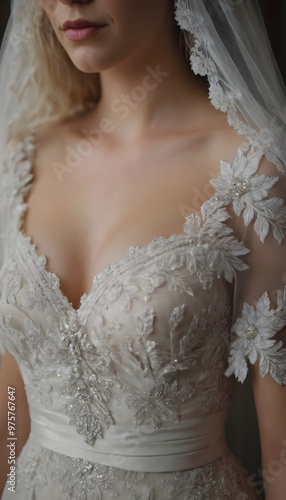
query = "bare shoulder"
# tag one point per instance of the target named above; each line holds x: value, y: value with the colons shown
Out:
x: 49, y: 139
x: 224, y: 139
x: 216, y: 143
x: 217, y: 139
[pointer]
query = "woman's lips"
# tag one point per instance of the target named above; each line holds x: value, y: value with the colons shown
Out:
x: 81, y: 29
x: 82, y: 33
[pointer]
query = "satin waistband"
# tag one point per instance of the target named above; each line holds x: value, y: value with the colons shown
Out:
x: 172, y: 447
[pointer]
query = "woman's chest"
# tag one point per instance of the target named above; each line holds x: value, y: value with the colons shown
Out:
x: 145, y: 324
x: 92, y: 218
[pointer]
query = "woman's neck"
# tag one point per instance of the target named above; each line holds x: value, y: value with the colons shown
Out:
x: 151, y: 93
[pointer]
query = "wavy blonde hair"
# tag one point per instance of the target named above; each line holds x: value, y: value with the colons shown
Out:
x: 53, y: 87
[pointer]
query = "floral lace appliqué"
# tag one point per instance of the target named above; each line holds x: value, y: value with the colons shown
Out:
x: 214, y: 250
x: 83, y: 480
x: 247, y: 192
x: 255, y: 332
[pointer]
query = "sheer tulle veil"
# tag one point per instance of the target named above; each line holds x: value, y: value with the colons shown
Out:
x: 228, y: 43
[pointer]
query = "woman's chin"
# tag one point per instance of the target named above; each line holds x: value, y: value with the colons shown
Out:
x: 89, y: 61
x: 87, y: 65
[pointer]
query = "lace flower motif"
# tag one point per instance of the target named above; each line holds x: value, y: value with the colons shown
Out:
x: 186, y: 19
x: 200, y: 61
x: 84, y: 480
x: 247, y: 192
x: 214, y: 249
x: 221, y: 98
x: 255, y: 332
x: 161, y: 396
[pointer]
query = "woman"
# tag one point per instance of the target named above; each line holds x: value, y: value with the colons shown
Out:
x: 144, y: 249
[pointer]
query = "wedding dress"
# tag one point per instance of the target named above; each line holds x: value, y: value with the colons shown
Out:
x: 128, y: 394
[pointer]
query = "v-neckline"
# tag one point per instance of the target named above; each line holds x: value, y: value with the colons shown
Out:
x: 134, y: 251
x: 134, y: 256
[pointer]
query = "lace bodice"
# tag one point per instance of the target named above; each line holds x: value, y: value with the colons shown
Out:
x: 158, y: 337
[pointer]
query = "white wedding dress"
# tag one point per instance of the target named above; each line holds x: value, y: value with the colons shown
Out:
x: 128, y: 394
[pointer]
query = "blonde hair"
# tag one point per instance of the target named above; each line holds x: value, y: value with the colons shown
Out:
x: 53, y: 88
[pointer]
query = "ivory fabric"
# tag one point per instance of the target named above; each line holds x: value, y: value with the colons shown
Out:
x: 128, y: 393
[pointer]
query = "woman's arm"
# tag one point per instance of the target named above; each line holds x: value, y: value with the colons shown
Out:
x: 270, y: 400
x: 10, y: 377
x: 258, y: 341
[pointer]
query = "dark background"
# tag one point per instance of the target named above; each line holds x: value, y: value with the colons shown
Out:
x: 274, y: 12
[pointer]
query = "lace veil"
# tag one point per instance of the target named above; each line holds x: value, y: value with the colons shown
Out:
x: 228, y: 44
